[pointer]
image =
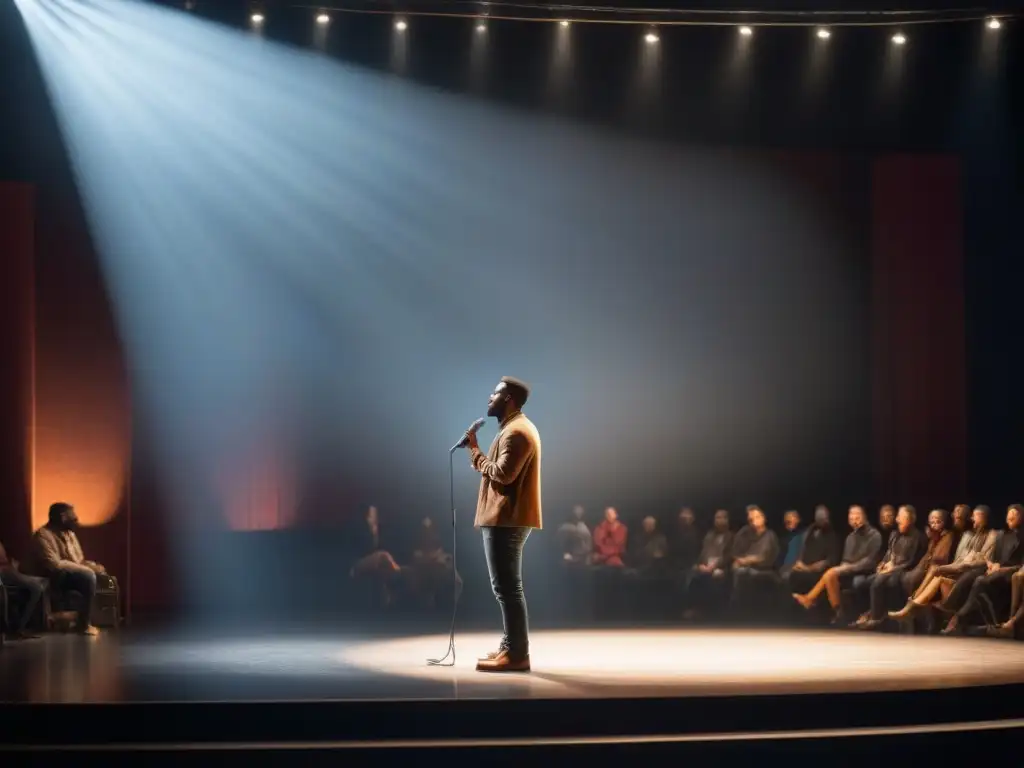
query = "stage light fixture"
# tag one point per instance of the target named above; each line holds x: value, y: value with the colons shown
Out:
x: 994, y: 23
x: 401, y: 26
x: 481, y: 28
x: 746, y: 31
x: 564, y: 23
x: 899, y: 38
x: 823, y: 33
x: 256, y: 18
x: 323, y: 18
x: 651, y: 38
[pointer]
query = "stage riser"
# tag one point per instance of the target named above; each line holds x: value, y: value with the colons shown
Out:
x: 932, y: 749
x: 392, y: 721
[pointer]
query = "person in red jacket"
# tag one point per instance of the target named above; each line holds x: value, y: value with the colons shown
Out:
x: 610, y: 540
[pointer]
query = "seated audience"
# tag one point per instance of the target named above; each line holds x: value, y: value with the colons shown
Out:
x: 370, y: 562
x: 992, y: 582
x: 684, y: 546
x: 818, y: 552
x: 756, y: 562
x: 887, y: 522
x: 790, y: 541
x: 974, y: 550
x: 575, y: 537
x: 431, y: 572
x: 860, y: 555
x: 56, y: 555
x: 743, y: 536
x: 940, y: 549
x: 33, y: 588
x: 906, y: 545
x: 707, y: 582
x: 610, y: 540
x: 650, y: 550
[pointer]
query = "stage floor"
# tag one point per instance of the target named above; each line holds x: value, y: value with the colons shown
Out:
x: 291, y: 666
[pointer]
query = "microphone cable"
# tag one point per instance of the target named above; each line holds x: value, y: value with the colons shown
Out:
x: 443, y: 661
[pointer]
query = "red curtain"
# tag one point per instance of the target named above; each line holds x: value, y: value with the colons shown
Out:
x: 920, y: 417
x: 17, y: 249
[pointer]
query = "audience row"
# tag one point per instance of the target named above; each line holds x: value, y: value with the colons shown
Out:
x: 959, y: 573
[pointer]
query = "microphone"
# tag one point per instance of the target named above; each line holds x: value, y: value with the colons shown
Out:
x: 473, y: 429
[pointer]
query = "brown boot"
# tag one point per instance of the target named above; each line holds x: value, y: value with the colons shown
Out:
x: 907, y: 612
x: 1001, y: 630
x: 503, y: 663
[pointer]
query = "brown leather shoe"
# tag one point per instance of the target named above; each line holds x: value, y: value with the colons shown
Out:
x: 503, y: 663
x: 494, y: 654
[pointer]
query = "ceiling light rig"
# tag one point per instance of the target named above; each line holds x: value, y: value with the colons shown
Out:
x: 822, y: 23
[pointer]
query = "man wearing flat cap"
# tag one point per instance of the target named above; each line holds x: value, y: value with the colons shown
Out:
x: 507, y: 509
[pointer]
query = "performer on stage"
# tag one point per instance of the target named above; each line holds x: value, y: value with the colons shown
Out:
x: 507, y: 509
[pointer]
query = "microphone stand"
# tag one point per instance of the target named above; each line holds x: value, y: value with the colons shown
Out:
x: 443, y: 662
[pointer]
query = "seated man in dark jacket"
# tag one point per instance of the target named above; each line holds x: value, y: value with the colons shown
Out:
x: 756, y: 561
x: 707, y: 582
x: 818, y: 552
x: 860, y: 556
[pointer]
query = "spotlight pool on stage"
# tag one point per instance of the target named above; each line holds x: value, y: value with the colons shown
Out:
x: 584, y: 663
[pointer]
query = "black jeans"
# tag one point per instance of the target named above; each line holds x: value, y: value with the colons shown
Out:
x: 886, y: 591
x: 504, y: 550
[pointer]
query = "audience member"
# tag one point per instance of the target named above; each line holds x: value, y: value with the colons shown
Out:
x: 707, y: 580
x: 33, y: 588
x: 370, y: 562
x: 887, y: 521
x: 790, y: 542
x: 56, y: 554
x: 650, y: 548
x: 906, y: 545
x: 757, y: 561
x: 684, y: 545
x: 860, y: 555
x: 743, y: 536
x: 818, y: 553
x: 430, y: 575
x: 610, y: 540
x: 939, y: 551
x: 575, y: 537
x: 991, y: 582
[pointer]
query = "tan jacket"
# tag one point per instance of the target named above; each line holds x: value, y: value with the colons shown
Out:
x: 510, y: 482
x: 52, y: 550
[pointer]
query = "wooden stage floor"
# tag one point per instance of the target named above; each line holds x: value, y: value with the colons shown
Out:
x: 130, y: 667
x: 710, y: 694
